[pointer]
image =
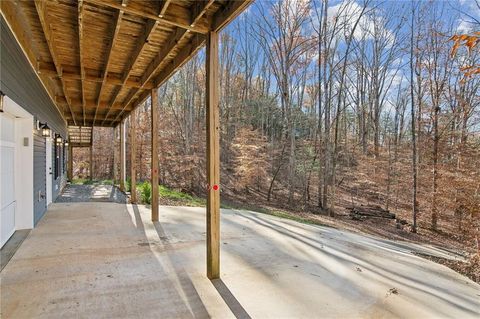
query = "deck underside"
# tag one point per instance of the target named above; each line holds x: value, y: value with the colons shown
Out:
x: 99, y: 59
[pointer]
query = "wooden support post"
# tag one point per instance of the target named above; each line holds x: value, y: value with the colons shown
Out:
x: 122, y: 155
x: 91, y: 162
x: 133, y: 157
x: 115, y: 159
x: 213, y: 158
x: 70, y: 162
x: 154, y: 173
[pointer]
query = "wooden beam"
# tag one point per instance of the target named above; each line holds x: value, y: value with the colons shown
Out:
x: 81, y: 54
x: 115, y: 157
x: 91, y: 154
x: 150, y: 28
x: 219, y: 20
x: 154, y: 161
x: 213, y: 157
x: 199, y: 8
x: 133, y: 157
x: 177, y: 62
x: 41, y: 7
x: 116, y: 31
x: 175, y: 38
x: 122, y: 156
x: 88, y: 118
x: 70, y: 162
x: 72, y: 73
x: 163, y: 7
x: 175, y: 16
x: 90, y: 124
x: 90, y: 104
x: 232, y: 9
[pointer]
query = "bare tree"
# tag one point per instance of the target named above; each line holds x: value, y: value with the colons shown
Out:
x: 283, y: 41
x: 412, y: 119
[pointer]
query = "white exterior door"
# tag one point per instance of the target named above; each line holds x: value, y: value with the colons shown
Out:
x: 7, y: 177
x: 48, y: 169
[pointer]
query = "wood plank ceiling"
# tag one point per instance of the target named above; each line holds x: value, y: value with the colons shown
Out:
x: 98, y: 59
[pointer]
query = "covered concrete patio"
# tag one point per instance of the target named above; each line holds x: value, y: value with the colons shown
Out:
x: 109, y: 260
x: 98, y: 61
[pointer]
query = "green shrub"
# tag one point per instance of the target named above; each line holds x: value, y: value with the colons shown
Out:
x: 78, y: 181
x: 107, y: 182
x: 82, y: 181
x: 146, y: 192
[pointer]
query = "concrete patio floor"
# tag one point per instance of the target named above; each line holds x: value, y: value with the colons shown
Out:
x: 108, y: 260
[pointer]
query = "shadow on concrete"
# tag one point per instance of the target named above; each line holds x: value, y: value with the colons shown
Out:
x: 227, y: 296
x: 382, y: 274
x: 230, y: 300
x: 331, y: 259
x: 11, y: 246
x: 138, y: 218
x: 193, y: 300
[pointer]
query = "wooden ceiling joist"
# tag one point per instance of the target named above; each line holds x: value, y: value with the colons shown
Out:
x: 190, y: 50
x: 199, y: 8
x: 89, y: 104
x: 139, y: 48
x: 163, y: 7
x: 155, y: 64
x: 177, y: 16
x: 219, y: 21
x: 118, y: 20
x: 42, y: 15
x: 71, y: 73
x: 88, y: 117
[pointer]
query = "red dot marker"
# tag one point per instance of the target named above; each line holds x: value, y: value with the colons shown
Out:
x: 215, y: 187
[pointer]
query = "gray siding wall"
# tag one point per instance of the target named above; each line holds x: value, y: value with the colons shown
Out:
x: 39, y: 181
x: 59, y: 183
x: 19, y: 81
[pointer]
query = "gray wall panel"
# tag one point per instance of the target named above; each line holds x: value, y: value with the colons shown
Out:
x: 58, y: 183
x: 19, y: 81
x: 39, y: 181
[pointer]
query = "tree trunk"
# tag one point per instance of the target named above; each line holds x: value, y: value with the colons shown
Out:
x: 414, y: 142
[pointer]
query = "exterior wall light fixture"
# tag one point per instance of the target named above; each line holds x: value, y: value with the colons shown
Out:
x: 58, y: 139
x: 45, y: 130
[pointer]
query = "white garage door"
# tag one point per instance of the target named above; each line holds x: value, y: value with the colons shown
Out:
x: 7, y: 177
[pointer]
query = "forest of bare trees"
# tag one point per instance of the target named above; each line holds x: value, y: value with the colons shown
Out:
x: 327, y: 105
